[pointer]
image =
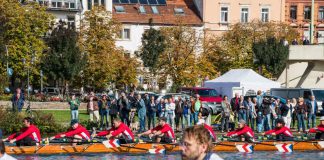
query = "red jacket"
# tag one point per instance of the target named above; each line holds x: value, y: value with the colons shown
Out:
x: 166, y: 129
x: 127, y: 133
x: 284, y: 130
x: 32, y: 131
x: 80, y: 131
x: 245, y: 130
x: 211, y: 131
x: 319, y: 128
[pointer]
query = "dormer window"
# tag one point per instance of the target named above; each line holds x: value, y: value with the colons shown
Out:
x: 141, y: 10
x: 155, y: 10
x: 179, y: 11
x: 120, y: 9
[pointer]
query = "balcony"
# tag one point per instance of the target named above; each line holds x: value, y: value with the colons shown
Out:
x: 61, y: 5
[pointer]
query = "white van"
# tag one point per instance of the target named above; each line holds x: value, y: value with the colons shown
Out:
x: 300, y: 92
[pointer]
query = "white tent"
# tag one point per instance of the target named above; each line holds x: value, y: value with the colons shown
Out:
x: 240, y: 79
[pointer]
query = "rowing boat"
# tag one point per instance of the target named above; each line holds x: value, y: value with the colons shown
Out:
x: 146, y: 147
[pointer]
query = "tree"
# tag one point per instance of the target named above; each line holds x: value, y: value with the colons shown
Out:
x: 22, y: 28
x: 64, y: 59
x: 153, y: 44
x: 272, y: 54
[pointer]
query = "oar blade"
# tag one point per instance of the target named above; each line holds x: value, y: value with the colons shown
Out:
x: 321, y: 143
x: 112, y: 143
x: 156, y: 151
x: 284, y: 147
x: 245, y: 148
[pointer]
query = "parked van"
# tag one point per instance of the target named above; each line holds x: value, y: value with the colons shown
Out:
x: 300, y: 92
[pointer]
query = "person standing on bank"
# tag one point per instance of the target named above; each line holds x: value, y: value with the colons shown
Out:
x: 74, y: 107
x: 104, y: 105
x: 197, y: 144
x: 312, y: 110
x: 18, y: 100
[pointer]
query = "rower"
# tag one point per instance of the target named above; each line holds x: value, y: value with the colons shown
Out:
x: 281, y: 132
x: 197, y: 144
x: 119, y: 131
x: 77, y: 132
x: 28, y: 136
x: 161, y: 133
x: 209, y: 128
x: 243, y: 133
x: 319, y: 130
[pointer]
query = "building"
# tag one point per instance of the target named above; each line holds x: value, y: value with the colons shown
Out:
x: 218, y: 15
x: 135, y: 15
x: 298, y: 15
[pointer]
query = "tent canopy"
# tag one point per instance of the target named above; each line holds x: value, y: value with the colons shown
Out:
x: 241, y: 78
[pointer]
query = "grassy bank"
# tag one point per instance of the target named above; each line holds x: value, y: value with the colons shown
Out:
x: 64, y: 116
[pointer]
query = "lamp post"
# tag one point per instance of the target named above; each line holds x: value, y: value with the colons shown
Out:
x: 312, y: 23
x: 28, y: 68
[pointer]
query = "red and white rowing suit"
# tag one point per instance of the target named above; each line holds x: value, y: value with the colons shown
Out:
x: 121, y: 129
x: 211, y: 131
x: 80, y: 131
x: 32, y: 131
x: 246, y: 130
x: 166, y: 130
x: 283, y: 130
x: 319, y: 128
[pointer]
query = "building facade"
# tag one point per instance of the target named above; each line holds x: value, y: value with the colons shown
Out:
x: 298, y: 15
x: 218, y: 15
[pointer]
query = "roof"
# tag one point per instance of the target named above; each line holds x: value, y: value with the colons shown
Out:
x: 166, y: 15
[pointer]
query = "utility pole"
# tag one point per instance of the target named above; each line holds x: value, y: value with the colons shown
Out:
x: 311, y: 38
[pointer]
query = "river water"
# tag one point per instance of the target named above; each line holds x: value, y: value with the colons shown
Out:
x: 226, y: 155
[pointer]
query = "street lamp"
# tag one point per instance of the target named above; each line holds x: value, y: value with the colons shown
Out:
x: 28, y: 68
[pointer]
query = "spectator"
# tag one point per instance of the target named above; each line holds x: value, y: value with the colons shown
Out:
x: 74, y: 107
x: 266, y: 113
x: 197, y: 108
x: 276, y: 111
x: 251, y: 112
x: 160, y: 108
x: 294, y: 114
x: 141, y: 111
x: 186, y: 113
x: 93, y: 108
x: 124, y: 108
x: 242, y: 109
x: 294, y: 42
x: 312, y: 109
x: 306, y: 41
x: 104, y: 105
x: 18, y: 100
x: 286, y: 112
x: 179, y: 112
x: 259, y: 111
x: 3, y: 154
x: 151, y: 112
x: 301, y: 110
x: 169, y: 108
x: 226, y: 112
x: 235, y: 105
x: 192, y: 109
x: 113, y: 112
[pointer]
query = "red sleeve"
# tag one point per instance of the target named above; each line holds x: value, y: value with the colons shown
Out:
x: 164, y: 129
x: 119, y: 130
x: 73, y: 132
x: 12, y: 136
x: 25, y: 133
x: 281, y: 130
x: 231, y: 133
x: 104, y: 133
x: 155, y: 128
x: 242, y: 131
x: 312, y: 130
x: 270, y: 131
x: 320, y: 128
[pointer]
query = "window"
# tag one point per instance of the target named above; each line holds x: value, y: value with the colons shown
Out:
x: 321, y: 13
x: 224, y: 14
x: 293, y: 12
x: 155, y: 10
x: 265, y: 14
x: 141, y: 9
x: 103, y: 2
x: 69, y: 5
x: 71, y: 22
x: 307, y: 12
x: 244, y: 15
x: 120, y: 9
x: 56, y: 4
x: 178, y: 11
x: 125, y: 34
x: 89, y: 4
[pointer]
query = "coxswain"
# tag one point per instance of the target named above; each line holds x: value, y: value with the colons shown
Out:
x: 209, y: 128
x: 77, y: 132
x: 162, y: 133
x: 28, y: 136
x: 118, y: 131
x: 197, y: 144
x: 281, y: 132
x: 319, y: 130
x: 243, y: 133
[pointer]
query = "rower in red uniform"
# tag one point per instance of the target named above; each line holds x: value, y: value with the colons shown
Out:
x: 161, y: 133
x: 119, y: 131
x: 77, y: 131
x: 28, y: 136
x: 244, y: 132
x: 209, y: 128
x: 319, y: 130
x: 281, y: 132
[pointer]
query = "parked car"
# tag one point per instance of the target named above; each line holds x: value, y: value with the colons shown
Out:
x: 53, y: 93
x: 142, y: 93
x: 175, y: 95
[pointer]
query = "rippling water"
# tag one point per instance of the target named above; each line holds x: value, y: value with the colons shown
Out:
x: 225, y: 155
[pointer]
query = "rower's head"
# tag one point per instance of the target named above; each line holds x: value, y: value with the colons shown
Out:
x: 196, y: 142
x: 280, y: 123
x: 241, y: 124
x: 162, y: 121
x: 27, y: 121
x: 116, y: 122
x: 74, y: 123
x: 322, y: 120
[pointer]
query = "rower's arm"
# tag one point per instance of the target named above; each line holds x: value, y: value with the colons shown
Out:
x: 281, y: 130
x: 230, y: 133
x: 242, y: 131
x: 320, y: 129
x: 103, y: 133
x: 24, y: 134
x: 73, y: 132
x: 12, y: 136
x: 147, y: 132
x: 269, y: 132
x: 117, y: 131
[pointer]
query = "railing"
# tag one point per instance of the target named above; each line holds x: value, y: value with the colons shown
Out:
x: 60, y: 4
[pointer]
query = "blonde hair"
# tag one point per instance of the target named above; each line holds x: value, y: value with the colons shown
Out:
x: 200, y: 134
x: 300, y: 99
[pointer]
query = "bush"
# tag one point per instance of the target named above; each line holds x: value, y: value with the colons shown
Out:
x: 5, y: 97
x: 11, y: 122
